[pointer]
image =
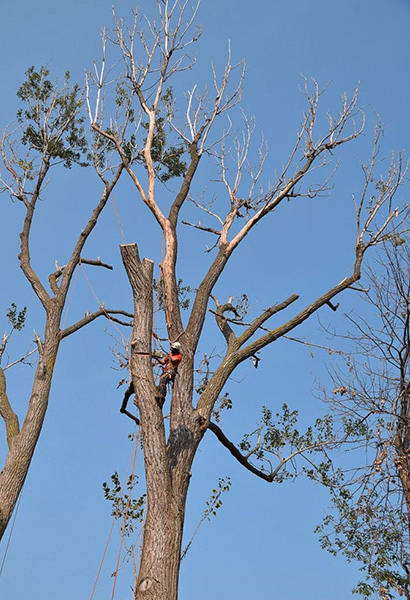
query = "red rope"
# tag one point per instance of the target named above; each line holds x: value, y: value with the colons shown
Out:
x: 133, y: 454
x: 137, y: 437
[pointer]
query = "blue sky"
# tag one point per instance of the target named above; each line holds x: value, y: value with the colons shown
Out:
x: 261, y: 544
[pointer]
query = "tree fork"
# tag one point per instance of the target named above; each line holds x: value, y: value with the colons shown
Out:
x: 23, y: 444
x: 167, y: 466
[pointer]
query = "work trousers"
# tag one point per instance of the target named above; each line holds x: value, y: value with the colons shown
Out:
x: 166, y: 378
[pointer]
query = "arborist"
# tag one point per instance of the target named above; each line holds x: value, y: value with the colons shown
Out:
x: 170, y: 364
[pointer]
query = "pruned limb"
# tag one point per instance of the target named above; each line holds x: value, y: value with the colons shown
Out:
x: 222, y: 323
x: 123, y: 410
x: 95, y: 263
x: 332, y: 306
x: 106, y: 312
x: 8, y: 415
x: 3, y: 344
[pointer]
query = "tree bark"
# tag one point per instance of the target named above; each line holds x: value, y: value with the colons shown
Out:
x: 22, y: 445
x: 167, y: 464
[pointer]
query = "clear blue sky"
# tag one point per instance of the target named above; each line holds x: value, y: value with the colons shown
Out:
x: 261, y: 544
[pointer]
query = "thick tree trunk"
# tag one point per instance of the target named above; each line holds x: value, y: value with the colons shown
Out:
x: 22, y: 445
x: 161, y: 551
x: 167, y: 465
x: 166, y: 496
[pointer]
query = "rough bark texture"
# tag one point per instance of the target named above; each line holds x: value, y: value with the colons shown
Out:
x: 167, y: 465
x: 23, y: 443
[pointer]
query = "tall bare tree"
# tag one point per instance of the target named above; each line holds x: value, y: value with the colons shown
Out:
x: 49, y: 133
x: 153, y: 144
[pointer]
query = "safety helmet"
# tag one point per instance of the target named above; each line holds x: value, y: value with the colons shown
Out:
x: 176, y: 346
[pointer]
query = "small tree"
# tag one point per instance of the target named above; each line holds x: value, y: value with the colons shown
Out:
x: 153, y: 144
x: 371, y: 520
x: 50, y: 133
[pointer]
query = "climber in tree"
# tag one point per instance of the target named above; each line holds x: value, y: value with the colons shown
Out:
x: 170, y: 364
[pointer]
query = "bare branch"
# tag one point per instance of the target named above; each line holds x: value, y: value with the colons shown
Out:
x: 53, y: 277
x: 20, y: 360
x: 259, y: 321
x: 101, y: 312
x: 222, y: 323
x: 202, y: 228
x: 85, y: 233
x: 269, y: 477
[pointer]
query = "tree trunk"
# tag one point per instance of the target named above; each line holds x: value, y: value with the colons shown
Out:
x: 161, y: 551
x: 167, y: 465
x: 23, y: 444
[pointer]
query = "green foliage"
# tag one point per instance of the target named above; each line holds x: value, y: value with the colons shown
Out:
x: 123, y: 98
x: 167, y: 158
x: 51, y: 122
x: 278, y: 440
x: 374, y: 532
x: 183, y: 292
x: 215, y: 502
x: 123, y: 506
x: 368, y: 522
x: 212, y: 505
x: 16, y: 319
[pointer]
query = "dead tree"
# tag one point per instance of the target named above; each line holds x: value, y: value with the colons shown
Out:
x: 51, y: 127
x: 138, y: 132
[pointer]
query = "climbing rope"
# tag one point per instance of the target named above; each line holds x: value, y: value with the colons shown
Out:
x: 101, y: 305
x: 118, y: 218
x: 137, y: 439
x: 133, y: 459
x: 70, y: 297
x: 11, y: 532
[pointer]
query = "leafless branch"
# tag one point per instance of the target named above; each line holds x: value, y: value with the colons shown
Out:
x: 101, y: 312
x: 201, y: 228
x: 20, y: 360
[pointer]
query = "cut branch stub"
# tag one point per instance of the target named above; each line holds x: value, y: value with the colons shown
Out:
x: 140, y: 277
x: 140, y: 274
